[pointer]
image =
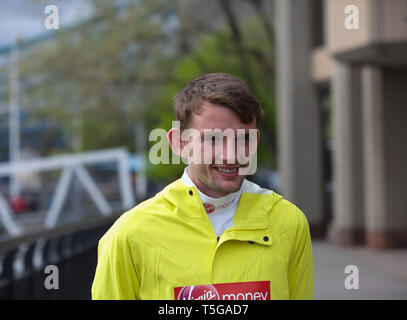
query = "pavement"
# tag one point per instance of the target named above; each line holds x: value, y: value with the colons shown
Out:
x: 382, y: 273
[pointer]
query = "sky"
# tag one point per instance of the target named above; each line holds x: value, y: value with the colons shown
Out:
x: 25, y: 18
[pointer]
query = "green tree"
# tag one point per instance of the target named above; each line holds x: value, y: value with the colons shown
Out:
x: 97, y: 79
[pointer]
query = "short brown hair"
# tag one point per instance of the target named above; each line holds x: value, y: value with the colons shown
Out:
x: 221, y: 89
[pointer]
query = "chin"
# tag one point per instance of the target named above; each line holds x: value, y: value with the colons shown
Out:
x: 230, y: 186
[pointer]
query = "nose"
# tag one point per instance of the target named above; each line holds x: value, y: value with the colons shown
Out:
x: 229, y: 151
x: 225, y: 152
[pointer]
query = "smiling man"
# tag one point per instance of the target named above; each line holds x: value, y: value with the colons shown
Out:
x: 212, y: 234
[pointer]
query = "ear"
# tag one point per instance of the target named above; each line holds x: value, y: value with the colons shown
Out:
x: 174, y: 139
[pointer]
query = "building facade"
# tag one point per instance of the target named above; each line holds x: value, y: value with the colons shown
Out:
x: 350, y: 57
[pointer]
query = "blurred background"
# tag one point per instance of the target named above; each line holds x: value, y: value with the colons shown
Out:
x: 83, y: 83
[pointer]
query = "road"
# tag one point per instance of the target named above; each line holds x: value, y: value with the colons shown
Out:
x: 382, y: 273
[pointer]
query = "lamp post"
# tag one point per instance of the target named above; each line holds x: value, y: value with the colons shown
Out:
x: 140, y: 142
x: 14, y: 119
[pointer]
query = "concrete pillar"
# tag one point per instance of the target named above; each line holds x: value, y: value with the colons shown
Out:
x: 373, y: 112
x: 299, y: 120
x: 385, y: 156
x: 395, y: 97
x: 348, y: 192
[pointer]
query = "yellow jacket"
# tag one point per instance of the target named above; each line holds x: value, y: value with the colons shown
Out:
x: 168, y: 242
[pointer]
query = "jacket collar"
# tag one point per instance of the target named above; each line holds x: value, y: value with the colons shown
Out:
x: 252, y: 212
x: 251, y: 219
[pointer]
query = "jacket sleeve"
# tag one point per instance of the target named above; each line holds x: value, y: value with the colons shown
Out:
x: 116, y: 277
x: 301, y: 264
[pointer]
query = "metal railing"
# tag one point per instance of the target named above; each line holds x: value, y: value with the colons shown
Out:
x: 22, y: 257
x: 70, y: 165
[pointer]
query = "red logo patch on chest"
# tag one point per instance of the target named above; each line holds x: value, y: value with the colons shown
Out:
x: 254, y: 290
x: 209, y: 207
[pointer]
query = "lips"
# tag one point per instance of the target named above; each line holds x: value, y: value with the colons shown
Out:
x: 226, y: 171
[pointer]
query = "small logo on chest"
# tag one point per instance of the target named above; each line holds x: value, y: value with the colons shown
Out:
x: 209, y: 207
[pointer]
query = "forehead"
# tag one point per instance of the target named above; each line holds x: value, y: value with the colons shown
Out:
x: 213, y: 116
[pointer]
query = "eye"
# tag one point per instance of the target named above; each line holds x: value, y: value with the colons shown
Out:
x: 214, y: 139
x: 209, y: 140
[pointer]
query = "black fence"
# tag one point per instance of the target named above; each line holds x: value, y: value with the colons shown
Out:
x: 70, y: 250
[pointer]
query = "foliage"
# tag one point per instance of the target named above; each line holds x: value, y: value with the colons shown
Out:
x: 96, y: 79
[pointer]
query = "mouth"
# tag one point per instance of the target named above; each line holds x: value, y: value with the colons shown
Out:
x: 227, y: 171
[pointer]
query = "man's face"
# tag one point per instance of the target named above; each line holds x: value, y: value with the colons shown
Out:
x: 219, y: 176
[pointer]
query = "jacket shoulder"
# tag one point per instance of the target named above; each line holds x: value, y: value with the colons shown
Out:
x: 287, y: 216
x: 283, y: 214
x: 142, y: 216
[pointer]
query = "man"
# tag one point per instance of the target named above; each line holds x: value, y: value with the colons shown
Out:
x: 211, y: 234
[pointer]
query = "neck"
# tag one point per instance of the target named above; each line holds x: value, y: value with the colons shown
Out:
x: 215, y: 204
x: 206, y: 191
x: 203, y: 189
